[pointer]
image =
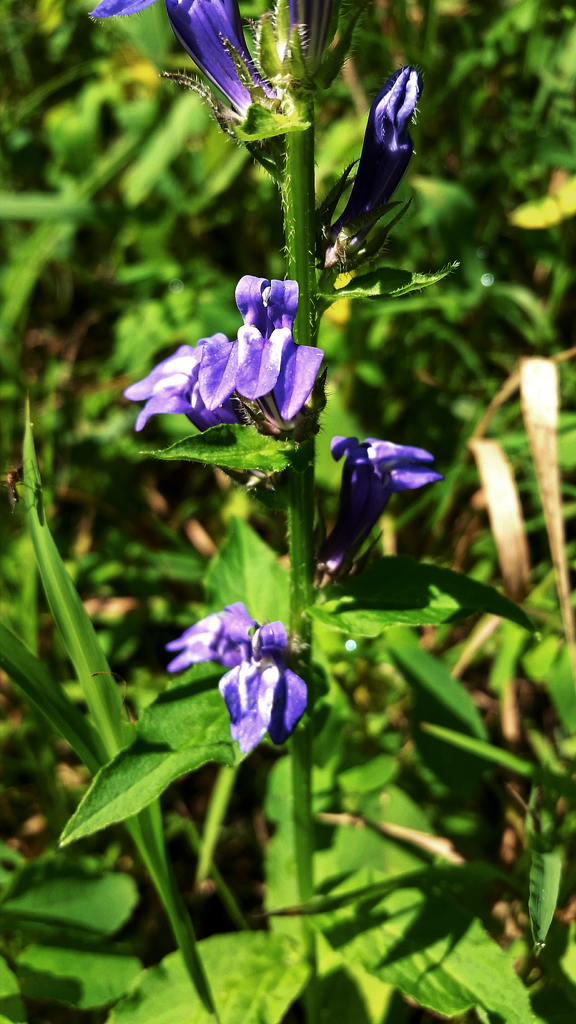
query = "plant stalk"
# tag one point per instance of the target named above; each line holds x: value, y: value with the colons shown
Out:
x: 299, y: 213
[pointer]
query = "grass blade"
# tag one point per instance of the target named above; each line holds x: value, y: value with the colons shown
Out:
x: 539, y: 393
x: 545, y: 872
x: 44, y: 693
x: 78, y: 634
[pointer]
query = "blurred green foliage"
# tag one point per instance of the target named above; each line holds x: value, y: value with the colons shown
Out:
x: 127, y: 219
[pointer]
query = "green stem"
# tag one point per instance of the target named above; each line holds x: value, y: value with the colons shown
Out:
x: 298, y: 198
x: 299, y: 213
x: 217, y: 808
x: 146, y: 831
x: 178, y: 825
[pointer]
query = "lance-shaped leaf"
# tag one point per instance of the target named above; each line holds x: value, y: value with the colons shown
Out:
x: 233, y: 446
x: 183, y: 729
x: 558, y: 783
x: 388, y: 281
x: 545, y: 873
x: 398, y: 589
x: 77, y: 632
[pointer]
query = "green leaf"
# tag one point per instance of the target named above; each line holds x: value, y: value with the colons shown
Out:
x: 11, y: 1006
x: 434, y: 952
x: 388, y: 281
x: 545, y: 873
x: 43, y: 206
x: 561, y: 783
x: 48, y: 696
x: 83, y: 978
x: 186, y: 117
x: 338, y: 52
x: 232, y: 446
x: 397, y: 589
x: 180, y: 731
x: 245, y: 569
x: 261, y: 123
x: 443, y: 700
x: 425, y: 671
x: 80, y: 640
x: 476, y: 877
x: 255, y: 977
x: 58, y: 894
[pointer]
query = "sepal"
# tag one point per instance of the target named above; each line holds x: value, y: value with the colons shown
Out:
x: 223, y: 114
x: 337, y: 252
x: 269, y: 51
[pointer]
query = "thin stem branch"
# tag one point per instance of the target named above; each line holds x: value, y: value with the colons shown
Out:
x: 217, y: 808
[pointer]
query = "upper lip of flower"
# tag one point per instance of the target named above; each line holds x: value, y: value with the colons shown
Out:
x: 265, y: 359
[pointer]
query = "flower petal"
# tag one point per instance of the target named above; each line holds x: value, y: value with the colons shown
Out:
x: 259, y: 361
x: 300, y: 364
x: 217, y: 374
x: 108, y: 8
x: 381, y: 450
x: 282, y: 303
x: 248, y: 695
x: 201, y: 26
x: 160, y: 403
x: 250, y: 302
x: 290, y: 699
x: 184, y: 360
x: 409, y: 479
x: 270, y: 641
x: 340, y: 446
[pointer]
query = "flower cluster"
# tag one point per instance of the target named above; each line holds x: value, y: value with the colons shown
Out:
x: 260, y: 692
x: 264, y: 365
x: 211, y: 33
x: 373, y: 470
x: 386, y: 153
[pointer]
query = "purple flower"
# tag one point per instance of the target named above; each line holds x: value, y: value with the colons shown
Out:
x: 373, y: 470
x: 260, y: 692
x: 204, y: 27
x: 313, y: 19
x: 386, y: 152
x: 223, y: 637
x: 172, y: 386
x: 264, y: 364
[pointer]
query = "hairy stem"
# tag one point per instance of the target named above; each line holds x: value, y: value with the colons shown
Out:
x: 299, y: 212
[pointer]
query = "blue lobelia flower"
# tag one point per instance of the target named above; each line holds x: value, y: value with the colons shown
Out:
x: 260, y: 692
x: 172, y: 386
x: 264, y: 365
x: 223, y: 637
x: 206, y: 29
x: 313, y: 20
x: 386, y: 152
x: 373, y: 471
